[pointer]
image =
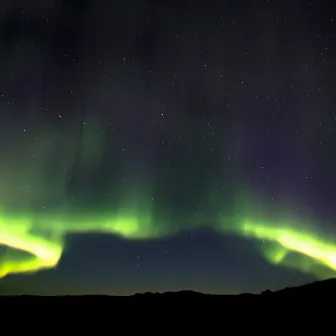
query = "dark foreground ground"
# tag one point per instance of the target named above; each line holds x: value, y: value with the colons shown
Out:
x: 321, y: 291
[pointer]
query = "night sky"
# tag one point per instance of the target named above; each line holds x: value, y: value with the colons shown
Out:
x: 161, y: 146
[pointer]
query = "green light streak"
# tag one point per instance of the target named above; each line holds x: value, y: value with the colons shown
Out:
x: 312, y: 252
x: 42, y: 238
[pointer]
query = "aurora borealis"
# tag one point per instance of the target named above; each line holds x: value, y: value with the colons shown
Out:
x: 146, y: 146
x: 45, y: 247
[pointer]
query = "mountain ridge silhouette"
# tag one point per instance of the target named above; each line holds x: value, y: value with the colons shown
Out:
x: 319, y: 291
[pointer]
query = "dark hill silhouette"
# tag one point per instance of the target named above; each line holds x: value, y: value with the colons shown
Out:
x: 320, y: 291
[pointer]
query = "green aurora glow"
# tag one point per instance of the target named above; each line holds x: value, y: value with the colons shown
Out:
x: 42, y: 239
x: 36, y: 239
